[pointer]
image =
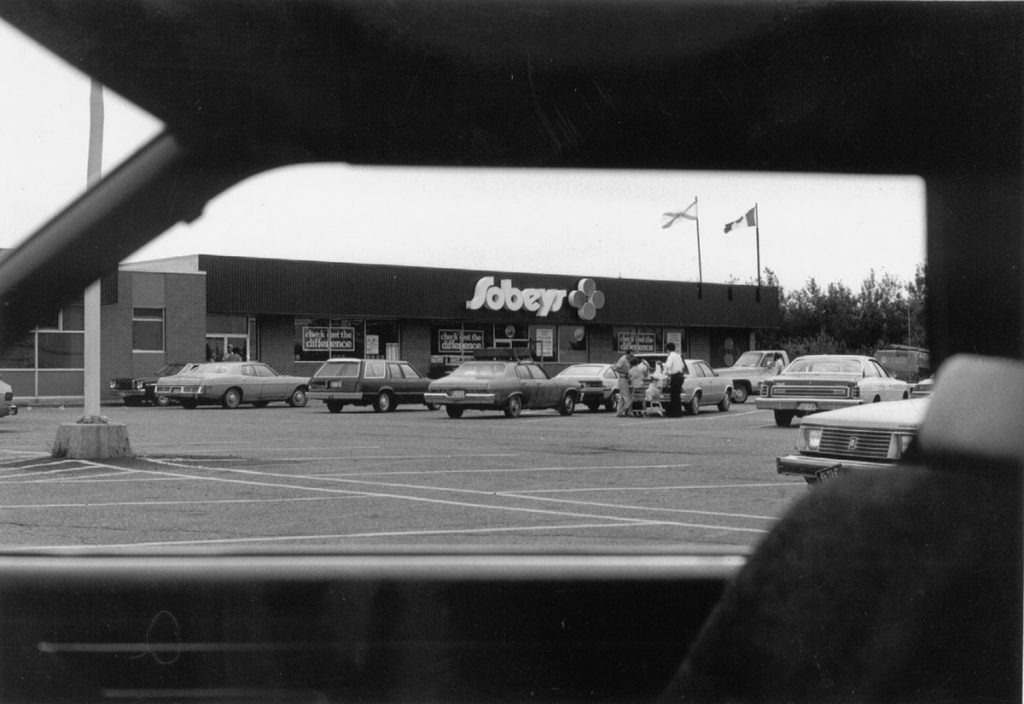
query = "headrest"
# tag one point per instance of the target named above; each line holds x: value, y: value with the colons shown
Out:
x: 975, y: 409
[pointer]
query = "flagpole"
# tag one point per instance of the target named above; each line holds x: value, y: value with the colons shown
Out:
x: 757, y: 236
x: 700, y: 267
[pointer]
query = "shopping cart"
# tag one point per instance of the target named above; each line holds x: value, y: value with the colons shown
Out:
x: 647, y: 399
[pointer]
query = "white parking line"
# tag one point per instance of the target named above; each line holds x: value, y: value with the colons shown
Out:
x: 499, y: 470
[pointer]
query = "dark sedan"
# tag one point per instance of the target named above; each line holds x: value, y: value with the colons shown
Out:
x: 383, y: 384
x: 136, y: 391
x: 504, y: 386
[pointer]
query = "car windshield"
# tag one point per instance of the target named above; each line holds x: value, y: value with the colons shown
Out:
x: 480, y: 370
x: 318, y: 269
x: 348, y: 368
x: 583, y: 370
x: 825, y: 366
x: 748, y: 359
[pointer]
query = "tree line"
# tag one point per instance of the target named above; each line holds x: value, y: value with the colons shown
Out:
x: 837, y: 320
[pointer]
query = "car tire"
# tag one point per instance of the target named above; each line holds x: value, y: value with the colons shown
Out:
x: 784, y: 418
x: 385, y: 403
x: 514, y: 407
x: 453, y: 411
x: 231, y: 399
x: 740, y: 394
x: 726, y: 402
x: 568, y: 405
x: 693, y: 406
x: 612, y: 404
x: 334, y: 406
x: 161, y: 400
x: 298, y: 399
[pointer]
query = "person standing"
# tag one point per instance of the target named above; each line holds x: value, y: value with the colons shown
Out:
x: 621, y: 368
x: 674, y: 371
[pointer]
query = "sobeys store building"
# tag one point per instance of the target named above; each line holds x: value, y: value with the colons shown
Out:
x: 295, y: 314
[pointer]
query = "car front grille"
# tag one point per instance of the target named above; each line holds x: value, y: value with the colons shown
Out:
x: 846, y: 442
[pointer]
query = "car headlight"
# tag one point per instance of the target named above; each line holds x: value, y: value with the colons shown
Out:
x: 809, y: 439
x: 899, y: 443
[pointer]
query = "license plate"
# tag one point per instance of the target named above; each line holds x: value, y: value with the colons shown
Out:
x: 807, y: 407
x: 458, y: 393
x: 827, y: 473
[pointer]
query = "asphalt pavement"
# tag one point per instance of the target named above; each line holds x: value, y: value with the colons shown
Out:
x: 296, y: 478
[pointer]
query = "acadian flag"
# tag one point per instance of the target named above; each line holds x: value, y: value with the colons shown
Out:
x: 671, y: 218
x: 748, y: 220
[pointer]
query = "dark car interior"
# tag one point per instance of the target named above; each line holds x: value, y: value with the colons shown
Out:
x: 923, y: 603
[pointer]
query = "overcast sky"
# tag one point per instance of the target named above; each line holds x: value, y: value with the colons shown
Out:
x: 603, y: 224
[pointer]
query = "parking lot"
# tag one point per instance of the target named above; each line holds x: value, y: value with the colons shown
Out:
x: 290, y: 479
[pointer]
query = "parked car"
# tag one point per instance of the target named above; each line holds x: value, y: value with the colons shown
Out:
x: 751, y: 369
x: 233, y: 383
x: 384, y: 384
x: 136, y: 391
x: 599, y: 385
x: 702, y: 385
x: 508, y: 386
x: 869, y: 437
x: 7, y: 406
x: 923, y: 388
x: 825, y: 382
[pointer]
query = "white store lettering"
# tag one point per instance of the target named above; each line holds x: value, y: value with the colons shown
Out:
x: 536, y: 300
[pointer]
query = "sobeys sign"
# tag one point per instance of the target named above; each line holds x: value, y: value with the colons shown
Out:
x: 541, y: 301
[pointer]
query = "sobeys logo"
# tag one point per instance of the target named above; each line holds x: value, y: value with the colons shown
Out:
x: 586, y: 298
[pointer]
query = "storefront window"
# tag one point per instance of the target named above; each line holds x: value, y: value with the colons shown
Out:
x: 382, y: 339
x: 572, y: 343
x: 20, y: 355
x: 317, y: 339
x: 61, y: 350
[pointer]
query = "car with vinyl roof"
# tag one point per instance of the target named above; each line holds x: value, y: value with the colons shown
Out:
x: 382, y: 383
x: 231, y: 384
x: 136, y: 391
x: 825, y: 382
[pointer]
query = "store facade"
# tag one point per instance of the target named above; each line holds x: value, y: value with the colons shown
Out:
x: 295, y: 314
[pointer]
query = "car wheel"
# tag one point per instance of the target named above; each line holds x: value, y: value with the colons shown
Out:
x: 568, y: 405
x: 513, y: 407
x: 726, y: 401
x: 385, y: 403
x: 189, y: 405
x: 693, y: 407
x: 784, y: 418
x: 334, y: 406
x: 161, y: 400
x: 740, y: 394
x: 612, y: 403
x: 231, y: 398
x: 298, y: 399
x: 453, y: 411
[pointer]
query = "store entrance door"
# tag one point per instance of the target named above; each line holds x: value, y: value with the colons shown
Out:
x: 219, y: 347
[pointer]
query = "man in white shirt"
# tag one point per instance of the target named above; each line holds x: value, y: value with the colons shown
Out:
x: 674, y: 370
